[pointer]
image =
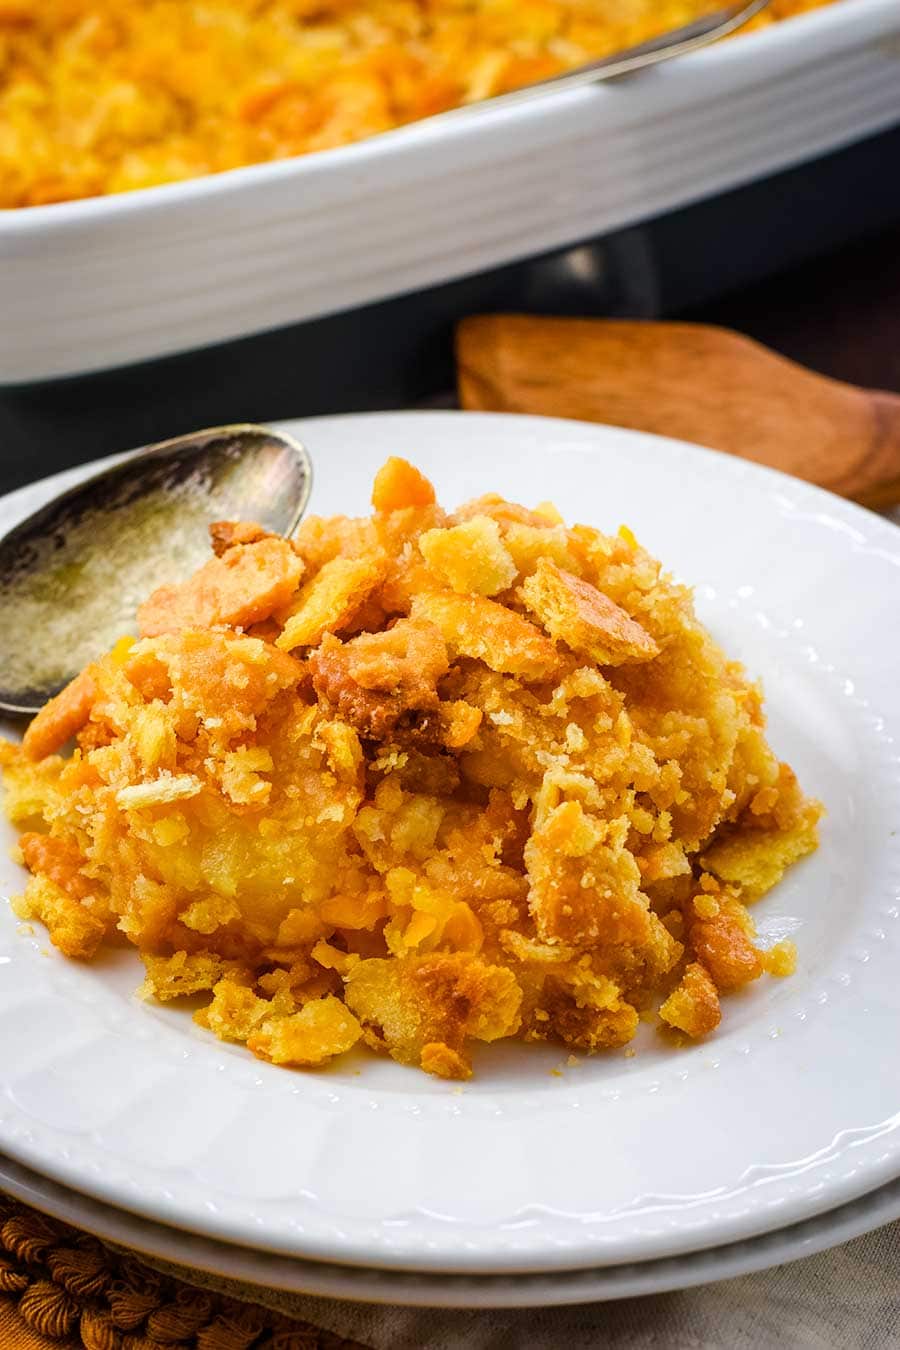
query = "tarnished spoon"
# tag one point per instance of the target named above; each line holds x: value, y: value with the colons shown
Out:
x: 73, y: 573
x: 720, y: 22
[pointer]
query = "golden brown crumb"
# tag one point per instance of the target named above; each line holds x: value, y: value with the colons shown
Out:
x: 693, y: 1007
x: 184, y: 973
x: 443, y: 1062
x: 245, y: 585
x: 225, y: 534
x: 470, y: 556
x: 415, y: 1001
x: 486, y: 631
x: 780, y: 960
x: 59, y: 719
x: 330, y: 600
x: 376, y: 679
x: 235, y: 1011
x: 59, y: 860
x: 400, y: 812
x: 577, y: 613
x: 74, y: 927
x: 398, y: 485
x: 723, y: 947
x: 321, y: 1029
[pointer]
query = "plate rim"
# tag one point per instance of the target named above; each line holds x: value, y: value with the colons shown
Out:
x: 319, y: 1279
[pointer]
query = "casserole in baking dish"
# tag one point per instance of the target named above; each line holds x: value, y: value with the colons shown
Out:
x: 115, y: 279
x: 101, y: 96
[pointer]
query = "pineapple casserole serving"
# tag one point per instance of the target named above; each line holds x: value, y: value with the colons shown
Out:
x: 415, y: 780
x: 100, y: 96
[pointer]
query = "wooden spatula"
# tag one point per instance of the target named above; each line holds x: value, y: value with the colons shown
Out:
x: 690, y: 381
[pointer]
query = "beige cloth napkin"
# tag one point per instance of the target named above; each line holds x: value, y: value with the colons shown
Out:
x: 844, y: 1299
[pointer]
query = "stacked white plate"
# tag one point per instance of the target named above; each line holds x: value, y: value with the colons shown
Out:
x: 538, y: 1181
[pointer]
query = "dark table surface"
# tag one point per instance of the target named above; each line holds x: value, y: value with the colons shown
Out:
x: 839, y: 315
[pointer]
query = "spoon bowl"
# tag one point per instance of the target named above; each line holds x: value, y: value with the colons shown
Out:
x: 73, y: 574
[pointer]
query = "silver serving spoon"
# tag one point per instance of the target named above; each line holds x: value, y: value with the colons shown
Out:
x: 73, y: 573
x: 719, y: 23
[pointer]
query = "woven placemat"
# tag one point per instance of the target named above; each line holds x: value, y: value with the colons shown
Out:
x: 61, y: 1288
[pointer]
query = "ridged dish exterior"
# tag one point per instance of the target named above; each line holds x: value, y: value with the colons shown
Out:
x: 90, y: 285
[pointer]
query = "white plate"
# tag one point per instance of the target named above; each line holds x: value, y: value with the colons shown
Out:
x: 353, y: 1283
x: 111, y: 280
x: 791, y: 1109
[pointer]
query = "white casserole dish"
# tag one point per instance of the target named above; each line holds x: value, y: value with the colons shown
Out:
x: 93, y: 284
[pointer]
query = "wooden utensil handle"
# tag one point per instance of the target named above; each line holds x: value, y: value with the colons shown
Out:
x: 690, y: 381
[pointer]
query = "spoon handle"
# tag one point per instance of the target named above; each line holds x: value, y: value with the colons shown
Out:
x: 712, y: 27
x: 690, y: 37
x: 692, y: 382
